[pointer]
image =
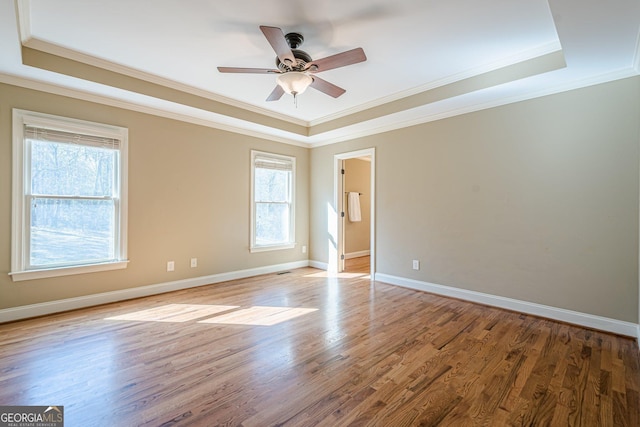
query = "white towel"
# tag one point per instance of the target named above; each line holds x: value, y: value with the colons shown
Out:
x: 354, y: 207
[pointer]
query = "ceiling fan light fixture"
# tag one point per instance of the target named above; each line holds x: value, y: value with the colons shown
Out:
x: 294, y: 66
x: 294, y: 82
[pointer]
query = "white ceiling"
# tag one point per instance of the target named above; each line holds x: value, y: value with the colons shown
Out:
x: 414, y: 48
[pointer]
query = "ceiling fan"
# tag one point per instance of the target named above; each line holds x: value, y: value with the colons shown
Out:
x: 295, y: 69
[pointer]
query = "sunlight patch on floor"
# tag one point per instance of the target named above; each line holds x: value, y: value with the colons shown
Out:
x: 259, y: 316
x: 252, y: 316
x: 174, y: 313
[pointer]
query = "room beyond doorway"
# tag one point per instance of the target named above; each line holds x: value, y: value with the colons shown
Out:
x: 354, y: 194
x: 358, y: 265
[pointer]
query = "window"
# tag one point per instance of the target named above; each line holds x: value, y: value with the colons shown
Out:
x: 69, y: 196
x: 272, y: 195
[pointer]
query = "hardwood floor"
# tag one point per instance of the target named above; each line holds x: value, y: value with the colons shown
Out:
x: 357, y: 265
x: 246, y: 353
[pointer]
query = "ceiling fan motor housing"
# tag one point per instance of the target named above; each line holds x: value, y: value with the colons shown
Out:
x: 302, y: 58
x: 294, y: 40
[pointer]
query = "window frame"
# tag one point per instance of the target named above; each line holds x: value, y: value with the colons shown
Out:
x: 20, y: 228
x: 253, y: 246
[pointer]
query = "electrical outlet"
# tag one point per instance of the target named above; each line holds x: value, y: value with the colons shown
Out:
x: 416, y: 264
x: 171, y: 266
x: 194, y: 262
x: 304, y: 249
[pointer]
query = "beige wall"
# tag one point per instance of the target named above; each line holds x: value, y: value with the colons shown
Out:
x: 357, y: 178
x: 536, y: 201
x: 188, y: 197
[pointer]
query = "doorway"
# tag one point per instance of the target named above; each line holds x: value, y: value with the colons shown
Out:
x: 355, y: 201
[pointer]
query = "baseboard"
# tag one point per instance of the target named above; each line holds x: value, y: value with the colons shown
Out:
x: 319, y: 264
x: 574, y: 317
x: 33, y: 310
x: 357, y: 254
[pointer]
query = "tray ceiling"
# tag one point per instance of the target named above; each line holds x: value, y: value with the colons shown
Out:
x: 425, y: 59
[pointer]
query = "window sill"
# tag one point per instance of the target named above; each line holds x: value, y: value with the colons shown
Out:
x: 271, y: 248
x: 18, y: 276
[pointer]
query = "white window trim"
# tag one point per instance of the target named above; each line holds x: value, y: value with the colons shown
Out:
x: 292, y: 223
x: 18, y: 213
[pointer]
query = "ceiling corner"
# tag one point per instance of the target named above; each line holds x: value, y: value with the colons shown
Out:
x: 23, y: 19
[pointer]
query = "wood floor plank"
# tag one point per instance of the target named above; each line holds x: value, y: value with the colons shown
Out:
x: 308, y: 349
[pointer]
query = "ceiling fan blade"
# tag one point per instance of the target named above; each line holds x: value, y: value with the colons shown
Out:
x: 276, y: 39
x: 248, y: 70
x: 349, y: 57
x: 326, y: 87
x: 276, y: 93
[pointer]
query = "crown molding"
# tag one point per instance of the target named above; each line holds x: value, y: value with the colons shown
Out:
x: 23, y: 19
x: 493, y: 66
x: 23, y: 12
x: 518, y: 71
x: 360, y: 129
x: 132, y: 106
x: 28, y: 40
x: 578, y: 84
x: 63, y: 52
x: 113, y: 102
